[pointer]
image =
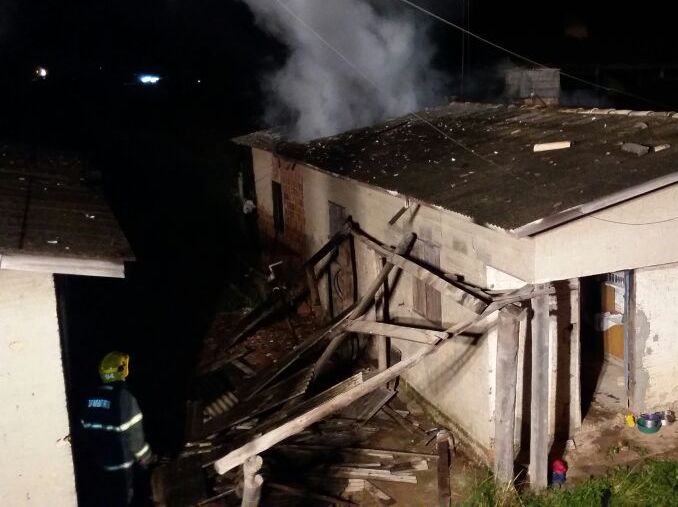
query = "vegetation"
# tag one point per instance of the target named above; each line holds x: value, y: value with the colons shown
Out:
x: 651, y: 483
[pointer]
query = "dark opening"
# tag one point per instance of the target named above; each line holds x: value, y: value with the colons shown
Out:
x: 278, y: 214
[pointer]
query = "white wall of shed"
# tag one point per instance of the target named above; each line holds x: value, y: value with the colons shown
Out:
x: 655, y: 351
x: 596, y: 244
x: 37, y: 465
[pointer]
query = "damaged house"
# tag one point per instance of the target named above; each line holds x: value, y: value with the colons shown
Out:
x: 51, y: 224
x: 581, y: 204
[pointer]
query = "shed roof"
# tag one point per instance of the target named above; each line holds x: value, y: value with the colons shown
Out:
x: 46, y: 209
x: 484, y: 165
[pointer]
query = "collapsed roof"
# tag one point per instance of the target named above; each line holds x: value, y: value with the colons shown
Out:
x: 478, y: 159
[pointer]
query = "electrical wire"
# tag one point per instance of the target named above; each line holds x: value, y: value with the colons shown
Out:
x: 634, y: 223
x: 530, y: 60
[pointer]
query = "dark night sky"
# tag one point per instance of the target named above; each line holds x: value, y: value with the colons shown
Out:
x: 102, y: 44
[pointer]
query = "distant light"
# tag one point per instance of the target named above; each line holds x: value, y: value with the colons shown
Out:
x: 199, y: 81
x: 41, y: 72
x: 149, y: 79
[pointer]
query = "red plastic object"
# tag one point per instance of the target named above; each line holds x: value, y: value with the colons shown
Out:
x: 559, y: 466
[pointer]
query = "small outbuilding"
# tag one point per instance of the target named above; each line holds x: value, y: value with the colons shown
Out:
x: 51, y: 222
x: 582, y: 201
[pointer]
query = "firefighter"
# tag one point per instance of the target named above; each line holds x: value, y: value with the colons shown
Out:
x: 114, y: 435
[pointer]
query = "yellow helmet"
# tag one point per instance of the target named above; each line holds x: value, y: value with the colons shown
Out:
x: 114, y: 366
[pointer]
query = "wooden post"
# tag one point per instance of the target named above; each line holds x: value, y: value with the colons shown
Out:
x: 539, y: 408
x: 505, y: 403
x: 381, y: 315
x: 252, y: 481
x: 575, y: 359
x: 443, y: 447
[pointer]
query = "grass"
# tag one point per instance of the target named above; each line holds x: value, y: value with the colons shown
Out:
x: 651, y: 483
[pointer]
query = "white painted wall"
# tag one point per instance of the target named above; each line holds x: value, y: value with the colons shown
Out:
x: 656, y: 338
x: 591, y: 246
x: 36, y: 466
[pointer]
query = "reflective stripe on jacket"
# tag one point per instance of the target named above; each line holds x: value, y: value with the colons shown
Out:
x: 113, y: 427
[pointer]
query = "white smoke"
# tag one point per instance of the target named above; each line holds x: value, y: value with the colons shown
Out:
x: 321, y: 93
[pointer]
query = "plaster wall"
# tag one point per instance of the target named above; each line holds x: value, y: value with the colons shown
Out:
x: 37, y: 465
x: 605, y: 242
x: 655, y: 355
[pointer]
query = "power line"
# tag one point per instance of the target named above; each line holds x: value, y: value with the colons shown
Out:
x: 527, y: 59
x: 634, y: 223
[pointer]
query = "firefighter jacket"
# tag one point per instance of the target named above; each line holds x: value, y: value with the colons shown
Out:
x: 112, y: 422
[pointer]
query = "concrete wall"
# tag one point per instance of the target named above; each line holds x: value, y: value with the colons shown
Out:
x: 36, y: 466
x: 655, y: 355
x: 591, y: 246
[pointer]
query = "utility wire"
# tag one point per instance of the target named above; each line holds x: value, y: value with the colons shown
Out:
x: 529, y: 60
x: 634, y: 223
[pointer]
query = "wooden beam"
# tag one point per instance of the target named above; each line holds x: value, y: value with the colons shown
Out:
x: 364, y: 304
x: 505, y: 402
x: 381, y: 315
x: 252, y: 481
x: 443, y: 447
x: 412, y: 334
x: 539, y: 409
x: 299, y: 423
x: 461, y: 296
x: 331, y: 244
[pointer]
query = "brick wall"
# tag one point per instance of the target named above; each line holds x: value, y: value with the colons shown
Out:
x: 290, y: 177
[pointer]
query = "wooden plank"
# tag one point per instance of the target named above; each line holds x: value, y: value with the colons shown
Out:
x: 285, y: 390
x: 364, y: 304
x: 413, y: 334
x: 365, y: 451
x: 298, y: 424
x: 364, y: 408
x: 461, y: 296
x: 443, y: 447
x: 505, y: 401
x: 381, y: 315
x: 252, y: 481
x: 329, y: 246
x: 538, y: 468
x: 261, y: 381
x: 369, y: 473
x: 404, y: 423
x: 378, y: 494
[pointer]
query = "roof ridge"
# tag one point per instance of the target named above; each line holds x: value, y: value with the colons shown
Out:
x: 576, y: 110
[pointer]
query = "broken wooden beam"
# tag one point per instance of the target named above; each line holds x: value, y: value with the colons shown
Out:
x: 298, y: 424
x: 462, y: 296
x: 303, y: 421
x: 539, y: 406
x: 368, y: 473
x: 252, y: 482
x: 363, y: 305
x: 378, y: 494
x: 557, y: 145
x: 505, y: 402
x: 413, y: 334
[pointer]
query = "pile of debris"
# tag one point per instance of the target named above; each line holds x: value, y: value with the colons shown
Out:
x: 306, y: 414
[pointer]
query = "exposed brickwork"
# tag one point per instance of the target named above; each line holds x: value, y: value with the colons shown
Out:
x: 290, y: 178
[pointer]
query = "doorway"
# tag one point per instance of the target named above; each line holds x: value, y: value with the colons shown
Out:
x: 605, y: 335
